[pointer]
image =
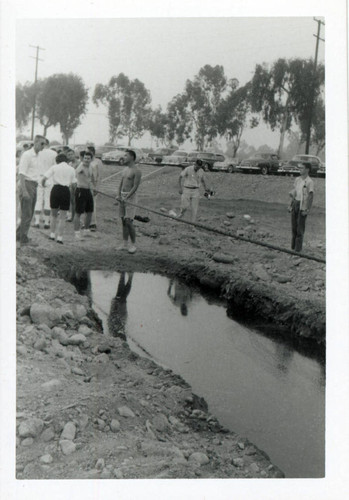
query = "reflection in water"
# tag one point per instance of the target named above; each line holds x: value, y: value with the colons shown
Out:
x: 80, y: 279
x: 256, y: 384
x: 118, y: 309
x: 180, y: 295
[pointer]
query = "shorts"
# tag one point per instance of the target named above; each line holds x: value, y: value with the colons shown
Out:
x: 127, y: 211
x: 83, y: 201
x: 60, y: 197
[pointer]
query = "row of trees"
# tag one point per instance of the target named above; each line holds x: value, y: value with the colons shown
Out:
x: 210, y: 107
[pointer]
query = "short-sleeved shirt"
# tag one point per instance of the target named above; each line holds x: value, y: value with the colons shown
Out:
x: 302, y: 188
x: 61, y: 174
x: 191, y: 177
x: 29, y: 165
x: 83, y: 176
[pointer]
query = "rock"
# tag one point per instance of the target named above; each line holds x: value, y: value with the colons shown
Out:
x: 125, y: 411
x: 57, y: 349
x: 27, y: 442
x: 31, y: 428
x: 260, y: 272
x: 254, y: 467
x: 83, y: 421
x: 79, y: 311
x: 101, y: 358
x: 106, y: 474
x: 56, y: 332
x: 247, y: 217
x: 199, y: 458
x: 238, y: 462
x: 118, y: 474
x: 223, y: 258
x: 69, y: 431
x: 304, y: 288
x: 77, y: 371
x: 104, y: 348
x: 85, y: 330
x: 163, y: 210
x: 86, y: 321
x: 172, y: 213
x: 63, y: 338
x: 100, y: 423
x: 230, y: 215
x: 45, y: 329
x: 241, y: 233
x: 40, y: 344
x: 227, y: 223
x: 100, y: 464
x: 43, y: 313
x: 22, y: 350
x: 76, y: 339
x: 241, y: 445
x: 163, y: 240
x: 115, y: 425
x: 51, y: 384
x: 297, y: 262
x: 47, y: 435
x: 46, y: 459
x: 160, y: 422
x: 282, y: 279
x: 67, y: 447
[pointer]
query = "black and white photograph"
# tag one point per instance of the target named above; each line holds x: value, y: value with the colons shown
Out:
x: 178, y: 222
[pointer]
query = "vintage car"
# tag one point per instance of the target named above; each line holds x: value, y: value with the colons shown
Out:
x: 292, y: 167
x: 117, y: 155
x: 263, y: 163
x: 178, y: 158
x: 100, y: 150
x: 207, y: 158
x: 159, y: 153
x: 228, y: 165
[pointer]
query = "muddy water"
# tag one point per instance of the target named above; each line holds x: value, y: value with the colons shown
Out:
x: 257, y: 387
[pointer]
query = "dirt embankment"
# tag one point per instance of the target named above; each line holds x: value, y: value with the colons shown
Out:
x: 87, y: 407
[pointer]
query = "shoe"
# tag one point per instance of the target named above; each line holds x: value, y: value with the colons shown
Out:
x: 132, y: 249
x: 37, y: 226
x: 122, y: 247
x: 82, y: 226
x: 93, y: 227
x: 69, y: 219
x: 60, y: 242
x: 52, y: 236
x: 46, y: 226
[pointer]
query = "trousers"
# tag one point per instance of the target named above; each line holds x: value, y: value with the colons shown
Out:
x: 27, y: 210
x: 298, y: 226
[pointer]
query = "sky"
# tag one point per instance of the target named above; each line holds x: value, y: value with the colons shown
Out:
x: 161, y: 52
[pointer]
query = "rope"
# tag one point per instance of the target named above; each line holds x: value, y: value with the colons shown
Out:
x: 222, y: 232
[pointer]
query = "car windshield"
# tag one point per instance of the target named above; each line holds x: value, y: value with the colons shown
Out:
x: 179, y: 153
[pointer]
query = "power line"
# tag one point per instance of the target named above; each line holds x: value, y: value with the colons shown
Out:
x: 37, y: 59
x: 319, y: 23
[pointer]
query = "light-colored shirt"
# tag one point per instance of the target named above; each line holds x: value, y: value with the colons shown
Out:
x: 29, y: 165
x: 302, y: 188
x: 47, y: 158
x: 83, y: 176
x: 61, y: 174
x: 95, y: 167
x: 191, y: 177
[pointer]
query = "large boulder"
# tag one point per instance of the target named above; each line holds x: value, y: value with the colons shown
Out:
x: 44, y: 314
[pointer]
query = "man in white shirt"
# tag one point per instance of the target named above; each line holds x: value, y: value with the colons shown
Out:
x: 63, y: 177
x: 189, y: 187
x: 47, y: 158
x: 301, y: 202
x: 29, y: 175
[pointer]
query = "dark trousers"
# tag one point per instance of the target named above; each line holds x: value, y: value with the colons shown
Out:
x: 298, y: 226
x: 27, y: 211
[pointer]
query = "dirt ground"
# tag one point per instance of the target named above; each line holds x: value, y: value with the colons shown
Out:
x: 87, y: 407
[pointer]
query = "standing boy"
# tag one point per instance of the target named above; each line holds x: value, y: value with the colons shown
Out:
x: 47, y: 158
x: 83, y: 194
x: 189, y: 187
x: 131, y: 178
x: 302, y: 200
x: 95, y: 167
x: 63, y: 177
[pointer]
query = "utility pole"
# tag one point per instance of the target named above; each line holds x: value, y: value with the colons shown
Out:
x: 319, y: 23
x: 36, y: 79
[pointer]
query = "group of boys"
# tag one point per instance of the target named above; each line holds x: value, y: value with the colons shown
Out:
x: 60, y: 185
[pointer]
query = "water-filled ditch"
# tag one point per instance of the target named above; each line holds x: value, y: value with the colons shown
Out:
x: 256, y: 385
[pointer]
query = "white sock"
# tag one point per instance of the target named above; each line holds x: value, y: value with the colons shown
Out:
x: 52, y: 235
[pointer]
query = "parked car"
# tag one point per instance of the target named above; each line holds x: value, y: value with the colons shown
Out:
x: 292, y: 167
x: 117, y: 155
x: 178, y: 158
x: 159, y: 153
x: 100, y: 150
x: 20, y: 147
x: 263, y: 163
x: 228, y: 165
x: 207, y: 158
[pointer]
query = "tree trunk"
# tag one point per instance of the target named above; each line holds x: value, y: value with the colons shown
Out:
x: 282, y: 134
